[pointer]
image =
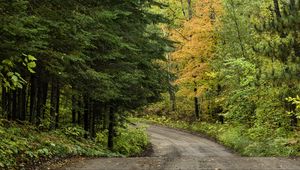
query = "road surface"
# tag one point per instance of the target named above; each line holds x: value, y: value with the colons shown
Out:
x: 177, y: 150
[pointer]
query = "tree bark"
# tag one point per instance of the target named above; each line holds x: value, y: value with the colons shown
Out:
x: 44, y: 98
x: 105, y: 116
x: 172, y: 99
x: 196, y: 102
x: 111, y: 128
x: 171, y: 88
x: 4, y: 100
x: 14, y: 105
x: 39, y: 102
x: 9, y: 105
x: 93, y: 123
x: 57, y: 105
x: 23, y: 104
x: 52, y: 103
x: 32, y: 106
x: 277, y: 9
x: 19, y: 104
x: 79, y: 112
x: 190, y: 10
x: 86, y: 115
x: 74, y: 110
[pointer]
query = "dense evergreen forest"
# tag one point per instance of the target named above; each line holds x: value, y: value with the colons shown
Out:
x: 77, y: 62
x: 93, y: 59
x: 228, y: 68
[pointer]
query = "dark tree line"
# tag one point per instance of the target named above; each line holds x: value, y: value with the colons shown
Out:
x: 95, y: 58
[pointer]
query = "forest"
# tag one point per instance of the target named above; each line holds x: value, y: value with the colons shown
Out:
x: 236, y: 73
x: 73, y: 73
x: 76, y: 65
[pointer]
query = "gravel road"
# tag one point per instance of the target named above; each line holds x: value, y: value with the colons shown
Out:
x: 177, y: 150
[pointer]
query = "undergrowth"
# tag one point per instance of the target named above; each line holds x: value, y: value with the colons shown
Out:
x: 257, y: 141
x: 129, y: 141
x: 23, y: 146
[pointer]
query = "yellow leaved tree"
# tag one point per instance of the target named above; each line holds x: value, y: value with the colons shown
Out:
x: 194, y: 50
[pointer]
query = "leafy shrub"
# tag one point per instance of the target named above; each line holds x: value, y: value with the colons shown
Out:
x: 76, y: 132
x: 235, y: 138
x: 24, y: 144
x: 101, y: 137
x: 295, y: 101
x: 131, y: 141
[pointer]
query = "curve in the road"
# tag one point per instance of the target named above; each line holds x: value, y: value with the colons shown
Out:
x: 177, y: 150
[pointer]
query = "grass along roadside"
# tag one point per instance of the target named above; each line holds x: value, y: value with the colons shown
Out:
x: 23, y: 146
x: 245, y: 141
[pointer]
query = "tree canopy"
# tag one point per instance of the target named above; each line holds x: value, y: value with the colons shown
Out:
x: 93, y: 58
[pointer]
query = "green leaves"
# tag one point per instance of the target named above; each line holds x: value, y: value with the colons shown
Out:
x: 29, y: 62
x: 74, y: 132
x: 131, y: 140
x: 44, y: 152
x: 8, y: 63
x: 21, y: 144
x: 295, y: 101
x: 12, y: 79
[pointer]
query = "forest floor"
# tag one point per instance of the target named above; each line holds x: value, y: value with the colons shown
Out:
x: 175, y: 150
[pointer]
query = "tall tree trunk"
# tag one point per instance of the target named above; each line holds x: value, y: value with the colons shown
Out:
x: 105, y: 116
x: 23, y: 104
x: 172, y: 99
x: 74, y: 102
x: 190, y: 9
x: 93, y: 123
x: 33, y: 93
x: 14, y: 105
x: 39, y: 101
x: 90, y: 115
x: 19, y: 104
x: 57, y: 104
x: 86, y: 115
x: 196, y: 102
x: 79, y: 112
x: 9, y: 105
x: 52, y: 103
x: 277, y: 9
x: 4, y: 101
x: 44, y: 98
x: 171, y: 88
x: 99, y: 117
x: 111, y: 128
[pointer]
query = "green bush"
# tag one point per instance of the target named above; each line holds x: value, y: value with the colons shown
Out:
x: 235, y: 138
x: 101, y: 137
x: 131, y: 141
x: 76, y: 132
x: 21, y: 145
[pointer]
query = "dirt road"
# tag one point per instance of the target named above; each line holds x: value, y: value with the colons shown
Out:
x: 176, y: 150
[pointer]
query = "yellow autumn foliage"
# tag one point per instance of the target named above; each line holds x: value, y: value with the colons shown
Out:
x: 196, y: 40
